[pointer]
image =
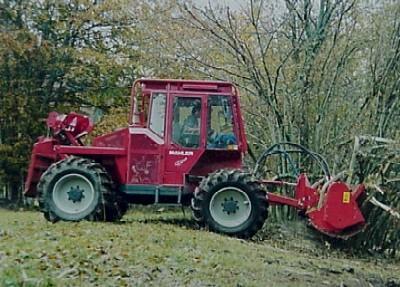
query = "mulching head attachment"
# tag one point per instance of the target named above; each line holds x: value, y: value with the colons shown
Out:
x: 331, y: 206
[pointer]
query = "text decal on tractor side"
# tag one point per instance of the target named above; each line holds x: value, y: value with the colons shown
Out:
x: 184, y: 143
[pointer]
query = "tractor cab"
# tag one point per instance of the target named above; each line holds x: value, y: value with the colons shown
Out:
x: 182, y: 130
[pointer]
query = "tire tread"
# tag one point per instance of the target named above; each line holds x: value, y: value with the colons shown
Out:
x: 221, y: 177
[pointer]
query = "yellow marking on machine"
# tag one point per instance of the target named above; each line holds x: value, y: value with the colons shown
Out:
x: 346, y: 197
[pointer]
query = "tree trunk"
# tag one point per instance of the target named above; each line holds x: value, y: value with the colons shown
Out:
x: 15, y: 194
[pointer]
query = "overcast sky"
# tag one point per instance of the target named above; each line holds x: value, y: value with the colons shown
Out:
x: 230, y: 3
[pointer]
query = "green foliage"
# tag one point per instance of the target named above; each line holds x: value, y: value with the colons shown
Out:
x: 116, y: 118
x: 56, y: 55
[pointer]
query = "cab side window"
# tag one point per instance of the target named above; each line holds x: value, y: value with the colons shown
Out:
x: 220, y: 129
x: 157, y: 113
x: 186, y: 121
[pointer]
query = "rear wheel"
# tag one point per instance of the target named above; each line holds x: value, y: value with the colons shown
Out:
x: 231, y: 202
x: 76, y: 188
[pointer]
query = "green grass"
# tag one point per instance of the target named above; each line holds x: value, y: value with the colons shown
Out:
x: 164, y: 248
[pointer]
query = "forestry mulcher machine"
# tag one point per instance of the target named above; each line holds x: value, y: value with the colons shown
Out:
x: 184, y: 144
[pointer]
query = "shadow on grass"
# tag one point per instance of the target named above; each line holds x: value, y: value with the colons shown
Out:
x: 181, y: 222
x: 181, y: 219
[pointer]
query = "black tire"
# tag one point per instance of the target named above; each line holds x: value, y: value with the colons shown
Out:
x: 236, y: 180
x: 104, y: 203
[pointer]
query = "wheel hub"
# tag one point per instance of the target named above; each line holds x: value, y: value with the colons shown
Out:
x: 75, y: 194
x: 230, y: 205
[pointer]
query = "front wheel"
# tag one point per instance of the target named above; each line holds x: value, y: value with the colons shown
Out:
x: 78, y: 188
x: 231, y: 202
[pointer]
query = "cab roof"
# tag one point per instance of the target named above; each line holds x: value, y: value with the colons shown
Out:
x: 186, y: 85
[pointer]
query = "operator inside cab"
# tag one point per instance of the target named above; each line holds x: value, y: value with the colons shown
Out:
x: 191, y: 125
x: 186, y: 121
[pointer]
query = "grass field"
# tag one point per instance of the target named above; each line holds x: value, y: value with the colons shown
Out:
x: 153, y: 247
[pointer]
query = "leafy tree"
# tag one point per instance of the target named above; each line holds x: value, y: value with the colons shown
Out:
x: 57, y: 55
x: 304, y: 67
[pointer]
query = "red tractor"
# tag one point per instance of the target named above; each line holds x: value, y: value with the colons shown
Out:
x: 184, y: 144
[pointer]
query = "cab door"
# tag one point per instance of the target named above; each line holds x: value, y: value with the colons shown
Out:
x: 147, y: 145
x: 185, y: 140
